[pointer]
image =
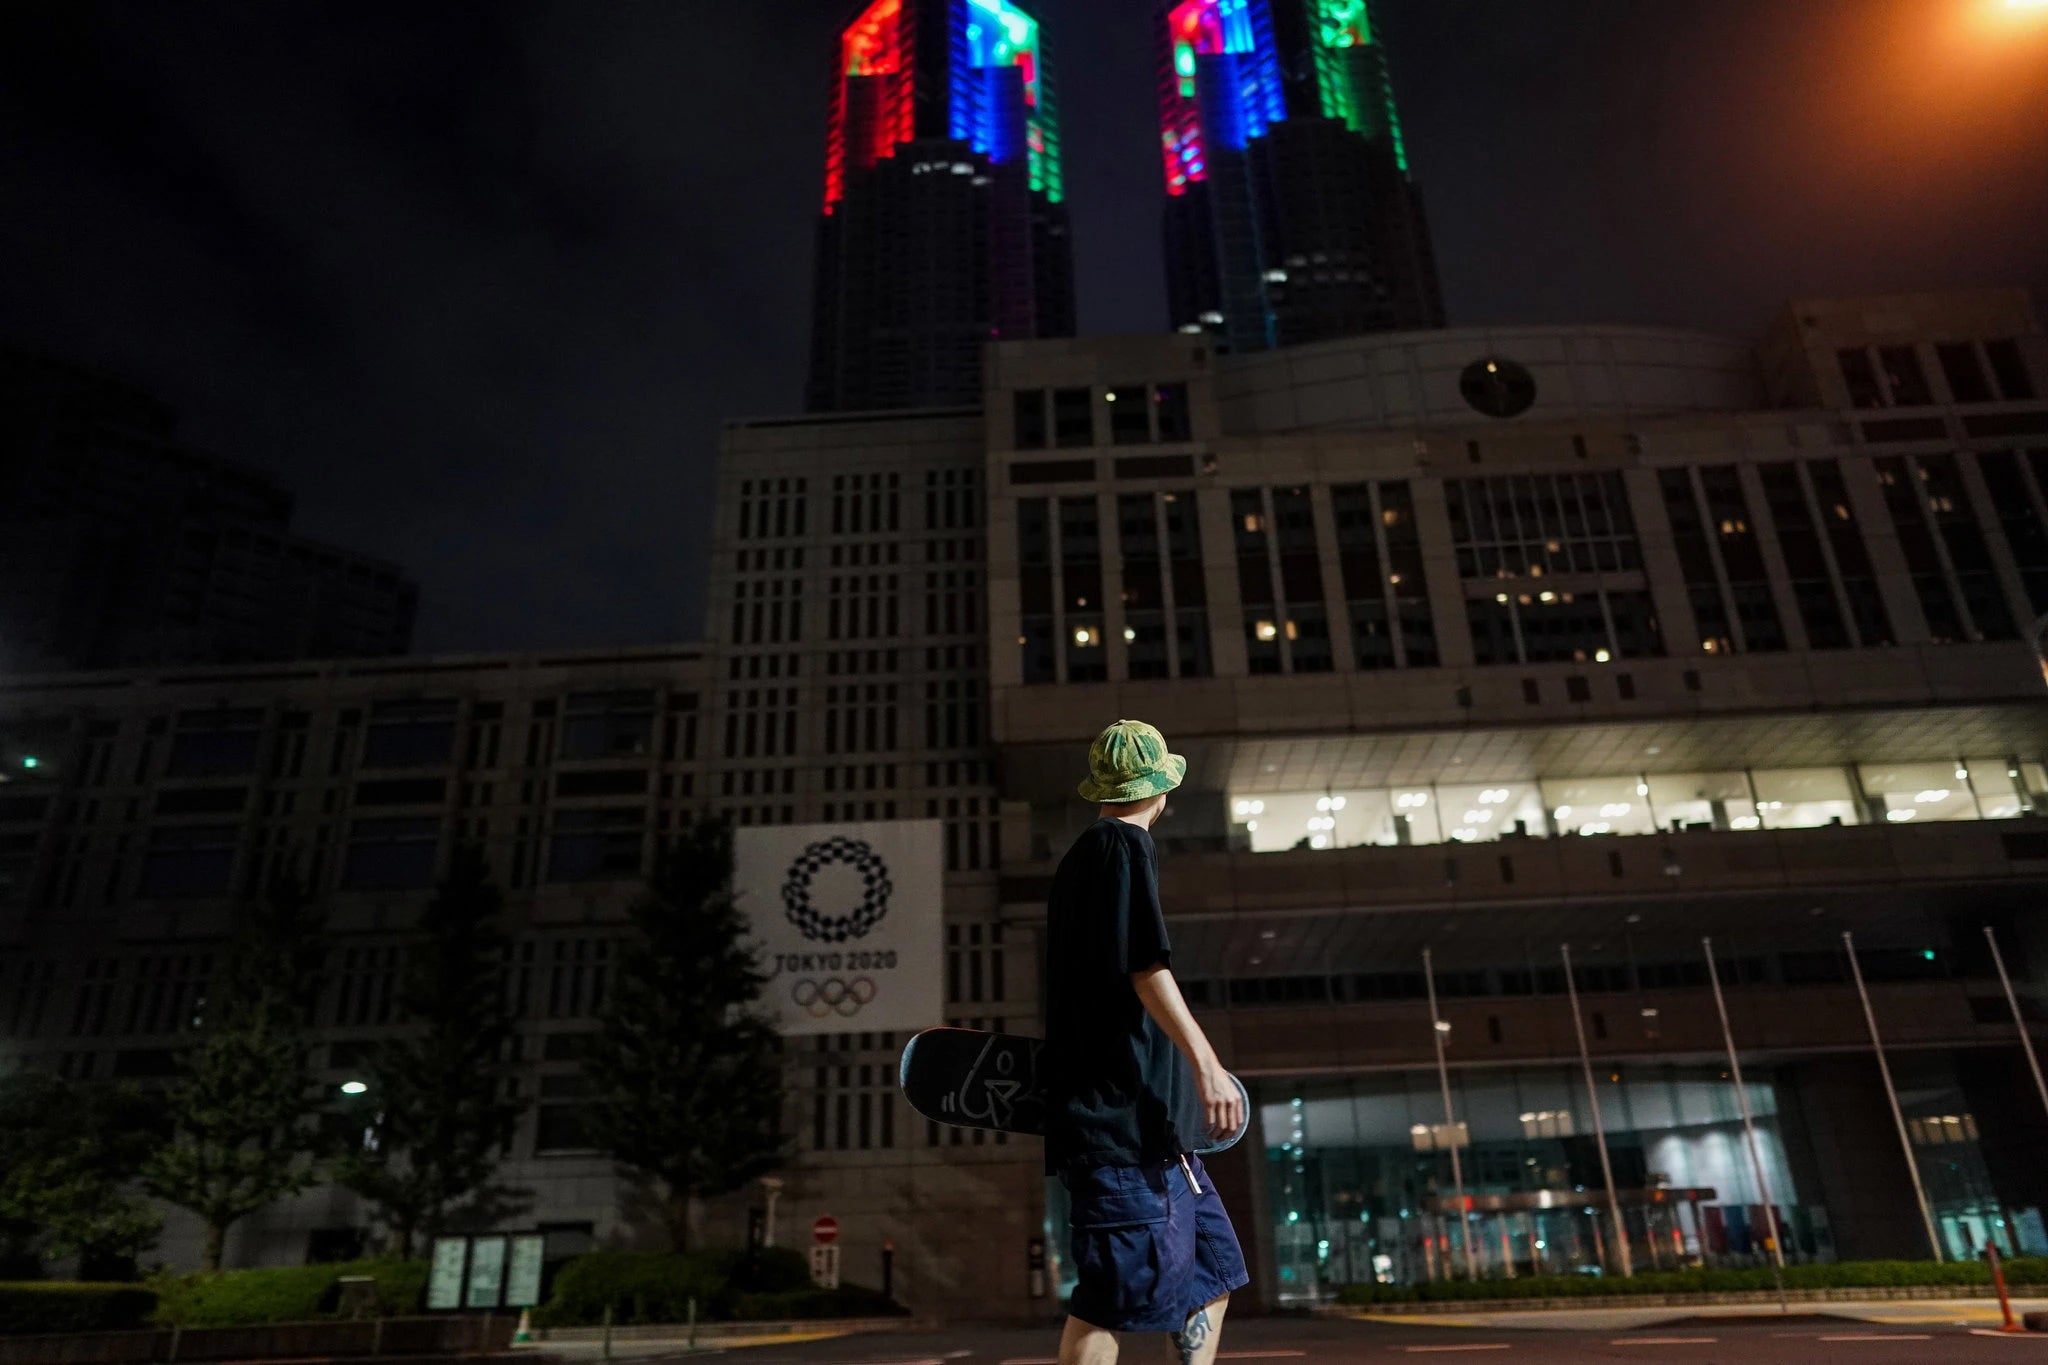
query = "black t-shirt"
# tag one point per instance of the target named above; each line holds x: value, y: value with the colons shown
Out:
x: 1112, y: 1075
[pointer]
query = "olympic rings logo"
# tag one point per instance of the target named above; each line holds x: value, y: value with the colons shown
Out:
x: 833, y: 996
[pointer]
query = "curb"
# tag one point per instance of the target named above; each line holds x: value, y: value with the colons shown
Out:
x: 729, y: 1333
x: 1766, y: 1297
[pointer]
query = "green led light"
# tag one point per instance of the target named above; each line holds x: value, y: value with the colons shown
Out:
x: 30, y: 761
x: 1184, y: 59
x: 1927, y: 953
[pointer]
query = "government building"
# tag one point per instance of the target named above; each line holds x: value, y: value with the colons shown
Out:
x: 1484, y: 642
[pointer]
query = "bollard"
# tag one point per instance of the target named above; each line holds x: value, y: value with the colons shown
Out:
x: 1998, y: 1278
x: 176, y: 1332
x: 377, y: 1337
x: 607, y: 1331
x: 693, y: 1322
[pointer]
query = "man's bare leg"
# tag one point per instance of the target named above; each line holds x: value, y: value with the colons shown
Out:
x: 1083, y: 1343
x: 1195, y: 1342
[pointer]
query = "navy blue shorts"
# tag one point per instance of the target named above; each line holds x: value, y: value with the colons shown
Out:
x: 1149, y: 1250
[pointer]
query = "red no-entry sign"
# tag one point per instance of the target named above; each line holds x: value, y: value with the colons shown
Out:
x: 825, y: 1231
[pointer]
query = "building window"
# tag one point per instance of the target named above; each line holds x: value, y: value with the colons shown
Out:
x: 1248, y: 521
x: 1806, y: 560
x: 189, y: 860
x: 1532, y: 525
x: 1190, y: 586
x: 215, y: 744
x: 1301, y: 581
x: 1405, y: 575
x: 1966, y: 381
x: 1861, y: 378
x: 1081, y: 592
x: 1749, y: 584
x: 2021, y: 516
x: 1696, y: 561
x: 597, y: 844
x: 1904, y: 377
x: 608, y: 724
x: 1130, y: 421
x: 391, y: 853
x: 1143, y: 586
x: 1948, y: 503
x: 2010, y: 368
x: 1852, y: 557
x: 1073, y: 417
x: 410, y: 734
x: 1916, y: 543
x: 1170, y: 406
x: 1365, y: 585
x: 1030, y: 419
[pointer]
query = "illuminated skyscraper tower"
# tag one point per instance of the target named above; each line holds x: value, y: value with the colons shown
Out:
x: 1290, y: 216
x: 943, y: 225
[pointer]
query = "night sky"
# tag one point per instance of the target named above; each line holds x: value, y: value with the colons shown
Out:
x: 479, y: 281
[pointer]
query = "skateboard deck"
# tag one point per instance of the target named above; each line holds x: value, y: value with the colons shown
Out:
x: 974, y: 1079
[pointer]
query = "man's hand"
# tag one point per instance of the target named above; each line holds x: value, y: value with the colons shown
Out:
x: 1222, y: 1101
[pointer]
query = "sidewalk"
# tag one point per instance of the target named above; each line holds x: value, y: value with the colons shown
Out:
x: 1971, y: 1312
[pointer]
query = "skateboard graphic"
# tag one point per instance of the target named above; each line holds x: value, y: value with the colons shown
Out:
x: 974, y: 1079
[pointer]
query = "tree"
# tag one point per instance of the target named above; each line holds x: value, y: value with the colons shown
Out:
x: 69, y: 1157
x: 243, y: 1111
x: 686, y: 1079
x: 438, y: 1107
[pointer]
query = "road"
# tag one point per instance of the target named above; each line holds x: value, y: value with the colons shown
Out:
x: 1928, y: 1333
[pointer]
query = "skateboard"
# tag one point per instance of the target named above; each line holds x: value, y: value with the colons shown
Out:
x: 973, y: 1079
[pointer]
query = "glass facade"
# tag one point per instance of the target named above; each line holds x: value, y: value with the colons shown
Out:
x: 1647, y: 803
x: 1359, y: 1187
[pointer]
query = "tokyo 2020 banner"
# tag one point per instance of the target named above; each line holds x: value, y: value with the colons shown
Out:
x: 847, y: 920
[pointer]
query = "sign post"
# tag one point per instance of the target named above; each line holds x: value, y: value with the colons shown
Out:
x: 825, y: 1252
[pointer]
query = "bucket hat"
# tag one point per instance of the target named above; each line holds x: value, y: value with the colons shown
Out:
x: 1129, y: 762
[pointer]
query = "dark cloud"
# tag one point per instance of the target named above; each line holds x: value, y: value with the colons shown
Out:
x: 480, y: 280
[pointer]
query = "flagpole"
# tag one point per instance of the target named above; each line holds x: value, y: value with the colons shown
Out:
x: 2019, y: 1021
x: 1892, y: 1094
x: 1756, y: 1159
x: 1628, y: 1267
x: 1437, y: 1029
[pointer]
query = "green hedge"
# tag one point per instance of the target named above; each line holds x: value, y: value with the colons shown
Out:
x: 300, y: 1293
x: 28, y: 1307
x: 1840, y: 1275
x: 728, y: 1285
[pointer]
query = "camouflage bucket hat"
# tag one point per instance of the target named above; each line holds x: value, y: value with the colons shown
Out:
x: 1129, y: 762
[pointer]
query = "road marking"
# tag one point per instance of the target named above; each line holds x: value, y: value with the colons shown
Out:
x: 1661, y: 1341
x: 956, y: 1355
x: 1489, y: 1346
x: 1879, y: 1336
x: 2001, y: 1332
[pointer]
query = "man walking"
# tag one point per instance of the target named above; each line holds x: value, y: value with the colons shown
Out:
x: 1153, y: 1246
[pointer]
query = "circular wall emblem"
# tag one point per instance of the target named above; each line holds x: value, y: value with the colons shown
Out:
x: 834, y: 925
x: 1498, y: 387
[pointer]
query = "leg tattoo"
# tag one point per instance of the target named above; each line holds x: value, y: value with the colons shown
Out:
x: 1188, y: 1340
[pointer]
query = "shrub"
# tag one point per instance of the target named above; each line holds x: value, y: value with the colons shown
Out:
x: 727, y: 1283
x: 1839, y: 1275
x: 67, y: 1306
x: 300, y: 1293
